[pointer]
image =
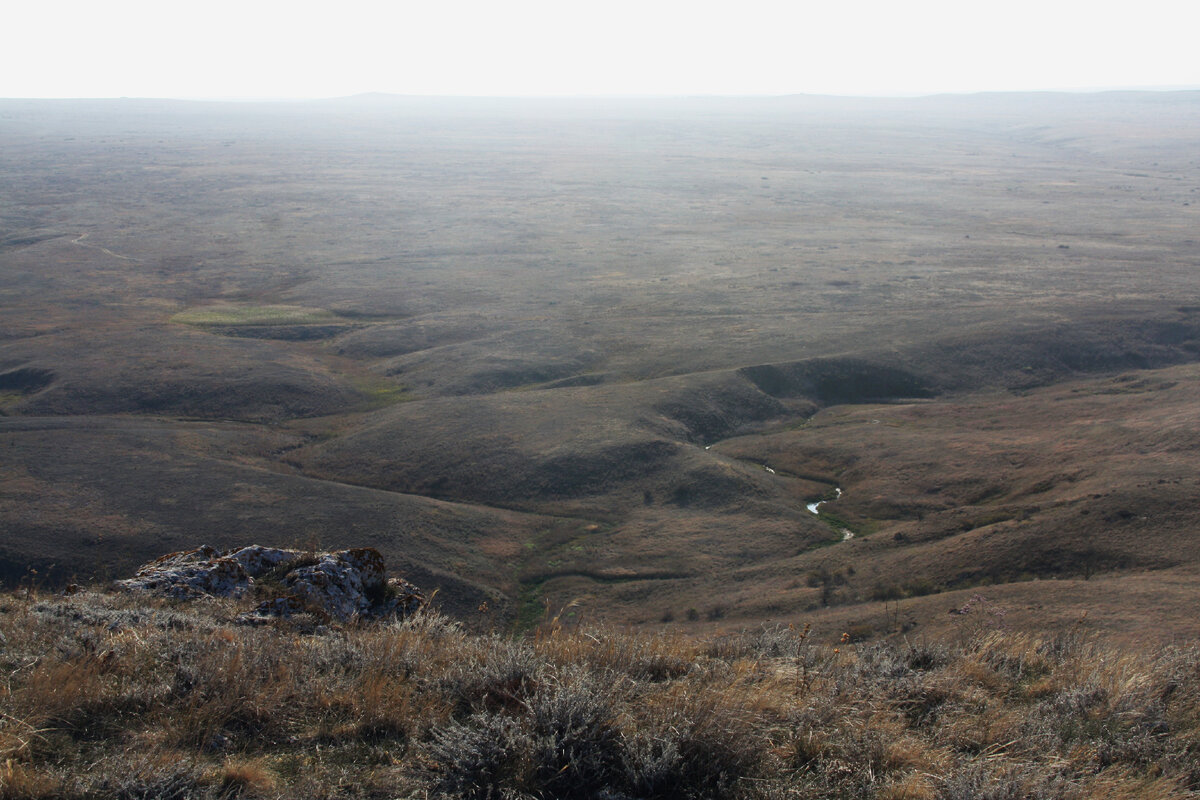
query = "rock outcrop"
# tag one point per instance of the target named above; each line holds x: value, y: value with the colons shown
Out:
x: 343, y: 585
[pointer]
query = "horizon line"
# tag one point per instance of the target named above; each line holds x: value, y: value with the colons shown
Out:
x: 1150, y: 89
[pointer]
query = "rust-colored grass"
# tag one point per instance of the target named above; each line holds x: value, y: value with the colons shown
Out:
x: 115, y: 696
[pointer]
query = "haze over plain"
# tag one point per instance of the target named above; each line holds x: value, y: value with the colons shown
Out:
x: 611, y: 348
x: 540, y: 351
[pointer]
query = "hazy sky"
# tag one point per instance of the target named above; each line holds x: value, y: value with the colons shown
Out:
x: 266, y: 48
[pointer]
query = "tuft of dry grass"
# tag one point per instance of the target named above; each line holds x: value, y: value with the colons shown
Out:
x: 106, y: 696
x: 242, y: 778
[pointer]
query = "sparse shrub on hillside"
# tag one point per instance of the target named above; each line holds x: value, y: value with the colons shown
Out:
x: 117, y: 697
x: 151, y: 779
x: 918, y: 587
x: 564, y: 743
x: 475, y: 757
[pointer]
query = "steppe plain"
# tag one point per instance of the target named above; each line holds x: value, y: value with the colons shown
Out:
x: 596, y: 358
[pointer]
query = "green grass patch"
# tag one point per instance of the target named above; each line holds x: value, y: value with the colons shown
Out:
x: 531, y: 606
x: 381, y: 392
x: 839, y: 523
x: 254, y: 315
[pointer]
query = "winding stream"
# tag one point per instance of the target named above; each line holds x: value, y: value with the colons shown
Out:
x: 815, y: 508
x: 104, y: 250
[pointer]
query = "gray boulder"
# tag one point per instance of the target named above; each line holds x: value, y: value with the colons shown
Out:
x: 343, y: 585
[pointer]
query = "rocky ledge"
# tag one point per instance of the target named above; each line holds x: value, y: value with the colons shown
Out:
x: 344, y: 585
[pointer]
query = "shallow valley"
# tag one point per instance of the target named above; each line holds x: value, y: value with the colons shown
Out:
x: 598, y: 357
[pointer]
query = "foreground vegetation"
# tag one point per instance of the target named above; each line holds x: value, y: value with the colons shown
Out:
x: 114, y: 696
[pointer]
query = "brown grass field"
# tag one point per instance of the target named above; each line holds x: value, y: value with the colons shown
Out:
x: 603, y: 354
x: 109, y: 696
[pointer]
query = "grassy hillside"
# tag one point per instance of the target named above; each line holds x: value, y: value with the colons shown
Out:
x: 110, y: 696
x: 610, y: 352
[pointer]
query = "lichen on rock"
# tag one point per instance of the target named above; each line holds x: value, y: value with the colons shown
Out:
x: 344, y: 585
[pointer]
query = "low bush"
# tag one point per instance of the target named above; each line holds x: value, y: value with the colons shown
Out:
x: 109, y: 696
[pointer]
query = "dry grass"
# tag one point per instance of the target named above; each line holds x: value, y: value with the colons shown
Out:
x: 108, y: 696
